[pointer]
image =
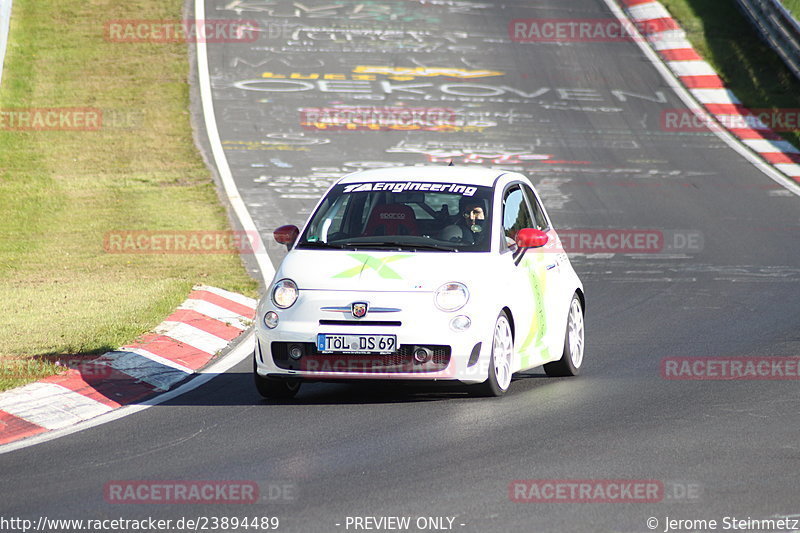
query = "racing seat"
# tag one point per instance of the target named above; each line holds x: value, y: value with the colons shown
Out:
x: 391, y: 219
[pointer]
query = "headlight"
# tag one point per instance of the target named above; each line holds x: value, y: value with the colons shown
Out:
x: 284, y: 293
x: 451, y: 296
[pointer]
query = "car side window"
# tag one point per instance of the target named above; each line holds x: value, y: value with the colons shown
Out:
x: 332, y: 221
x: 538, y: 212
x: 515, y: 215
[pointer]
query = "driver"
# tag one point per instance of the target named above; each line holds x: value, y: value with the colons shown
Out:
x: 473, y: 216
x: 469, y: 224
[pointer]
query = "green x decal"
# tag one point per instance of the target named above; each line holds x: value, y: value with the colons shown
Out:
x: 369, y: 262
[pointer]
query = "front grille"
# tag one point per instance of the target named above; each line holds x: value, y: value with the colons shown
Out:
x: 402, y: 361
x: 360, y: 323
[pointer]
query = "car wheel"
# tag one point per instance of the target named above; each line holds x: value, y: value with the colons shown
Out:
x: 499, y: 378
x: 275, y: 388
x: 572, y: 358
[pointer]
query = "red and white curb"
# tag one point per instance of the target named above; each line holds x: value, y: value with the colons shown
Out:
x: 666, y: 37
x: 205, y: 324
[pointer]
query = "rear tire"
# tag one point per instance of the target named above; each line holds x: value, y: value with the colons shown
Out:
x: 275, y: 388
x: 499, y: 378
x: 572, y: 357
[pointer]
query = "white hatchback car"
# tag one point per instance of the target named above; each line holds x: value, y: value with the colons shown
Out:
x: 421, y: 273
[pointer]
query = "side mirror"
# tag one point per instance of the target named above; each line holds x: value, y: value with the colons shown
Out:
x: 531, y: 238
x: 286, y: 235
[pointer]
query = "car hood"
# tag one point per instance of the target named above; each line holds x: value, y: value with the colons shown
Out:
x: 350, y: 270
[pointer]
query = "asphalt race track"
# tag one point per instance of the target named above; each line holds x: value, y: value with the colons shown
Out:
x: 583, y: 119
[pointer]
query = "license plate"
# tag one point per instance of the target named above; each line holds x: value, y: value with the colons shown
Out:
x: 330, y: 343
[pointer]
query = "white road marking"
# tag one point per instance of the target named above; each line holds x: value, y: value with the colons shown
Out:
x: 238, y: 298
x: 715, y: 96
x: 228, y: 183
x: 216, y: 312
x: 50, y: 406
x: 691, y: 68
x: 763, y: 145
x: 5, y: 19
x: 738, y: 120
x: 790, y: 169
x: 649, y: 11
x: 665, y: 41
x: 192, y: 336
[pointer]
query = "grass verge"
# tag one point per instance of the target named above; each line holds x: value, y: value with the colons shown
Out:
x: 61, y: 192
x: 793, y: 6
x: 722, y: 34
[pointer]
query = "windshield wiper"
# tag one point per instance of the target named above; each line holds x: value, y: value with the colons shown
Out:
x: 401, y: 246
x: 380, y: 245
x: 372, y: 244
x: 319, y: 244
x: 434, y: 247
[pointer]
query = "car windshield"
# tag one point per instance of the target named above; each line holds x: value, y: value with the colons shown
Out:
x: 402, y: 215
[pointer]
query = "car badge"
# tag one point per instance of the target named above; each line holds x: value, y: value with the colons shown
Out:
x: 359, y: 309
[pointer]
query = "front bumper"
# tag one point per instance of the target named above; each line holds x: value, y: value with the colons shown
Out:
x: 454, y: 355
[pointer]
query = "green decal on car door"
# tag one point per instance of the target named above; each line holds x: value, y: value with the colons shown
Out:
x: 534, y: 341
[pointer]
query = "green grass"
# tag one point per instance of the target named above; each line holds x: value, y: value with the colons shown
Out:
x: 793, y: 6
x: 723, y: 36
x: 61, y: 191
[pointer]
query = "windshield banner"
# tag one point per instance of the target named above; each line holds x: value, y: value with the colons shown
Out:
x: 464, y: 190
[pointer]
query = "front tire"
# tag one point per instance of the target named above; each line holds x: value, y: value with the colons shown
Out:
x: 499, y: 378
x: 275, y: 388
x: 572, y: 357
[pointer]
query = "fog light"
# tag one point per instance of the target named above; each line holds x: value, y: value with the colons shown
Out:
x: 461, y: 323
x: 271, y: 319
x: 422, y: 355
x: 295, y: 351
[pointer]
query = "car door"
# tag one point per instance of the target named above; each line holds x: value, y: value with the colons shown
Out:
x: 531, y: 277
x: 558, y: 291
